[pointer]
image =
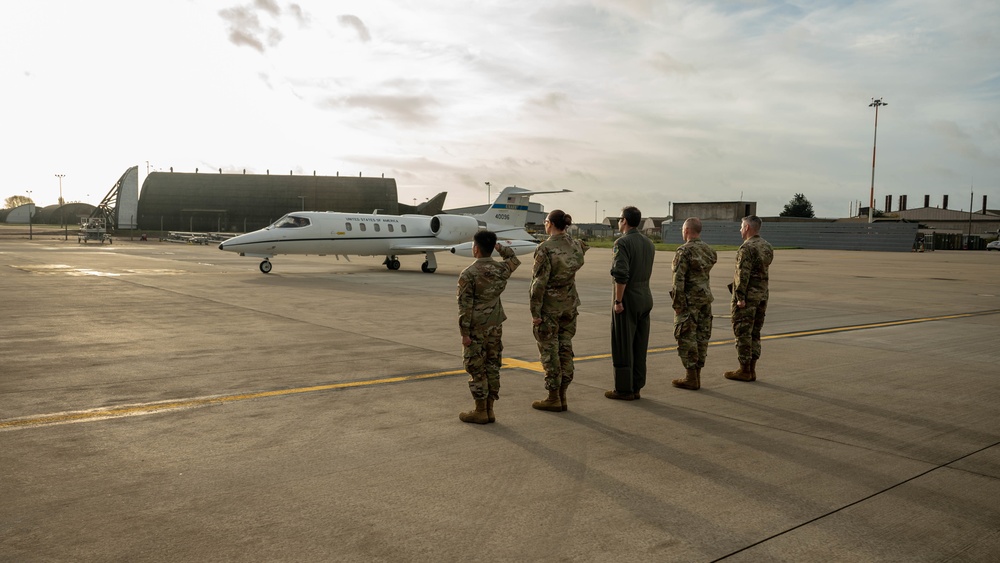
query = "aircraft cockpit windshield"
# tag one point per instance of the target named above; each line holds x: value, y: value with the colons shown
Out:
x: 290, y: 222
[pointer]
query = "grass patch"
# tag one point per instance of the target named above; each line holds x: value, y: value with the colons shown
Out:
x: 662, y: 246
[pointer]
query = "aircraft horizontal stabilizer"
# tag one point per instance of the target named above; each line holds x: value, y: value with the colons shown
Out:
x: 532, y: 192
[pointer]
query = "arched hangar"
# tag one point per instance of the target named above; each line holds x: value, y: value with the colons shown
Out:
x: 180, y: 201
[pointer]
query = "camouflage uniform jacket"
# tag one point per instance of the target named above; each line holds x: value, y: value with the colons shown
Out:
x: 752, y: 260
x: 479, y: 289
x: 692, y: 263
x: 553, y: 285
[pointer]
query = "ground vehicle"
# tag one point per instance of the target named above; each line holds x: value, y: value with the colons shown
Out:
x: 93, y: 229
x: 995, y: 245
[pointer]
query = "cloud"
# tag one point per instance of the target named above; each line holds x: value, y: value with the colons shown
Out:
x: 668, y: 65
x: 246, y: 28
x: 268, y: 6
x: 355, y: 23
x: 396, y: 109
x: 299, y: 14
x: 551, y: 101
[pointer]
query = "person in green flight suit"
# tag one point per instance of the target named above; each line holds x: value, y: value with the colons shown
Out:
x: 631, y: 268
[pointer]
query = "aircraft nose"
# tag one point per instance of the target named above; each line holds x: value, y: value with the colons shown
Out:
x: 222, y: 246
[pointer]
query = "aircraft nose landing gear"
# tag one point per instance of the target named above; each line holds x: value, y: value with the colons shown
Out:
x: 265, y: 266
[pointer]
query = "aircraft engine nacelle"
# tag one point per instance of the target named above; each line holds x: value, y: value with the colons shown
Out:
x: 454, y: 228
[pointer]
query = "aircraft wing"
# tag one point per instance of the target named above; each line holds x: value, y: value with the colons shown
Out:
x: 465, y: 249
x: 421, y: 247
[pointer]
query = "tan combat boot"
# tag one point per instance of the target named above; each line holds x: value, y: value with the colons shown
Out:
x: 478, y: 416
x: 551, y: 403
x: 562, y: 397
x: 742, y: 374
x: 489, y: 409
x: 753, y: 369
x: 692, y: 381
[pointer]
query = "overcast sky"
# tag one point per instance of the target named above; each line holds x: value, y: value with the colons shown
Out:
x: 622, y: 101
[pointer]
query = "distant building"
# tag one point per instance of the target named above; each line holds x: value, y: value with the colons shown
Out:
x: 714, y: 210
x: 68, y: 214
x: 937, y: 219
x: 20, y: 214
x: 245, y: 202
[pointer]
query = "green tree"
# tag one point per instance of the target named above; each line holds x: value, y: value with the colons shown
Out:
x: 799, y: 206
x: 15, y: 201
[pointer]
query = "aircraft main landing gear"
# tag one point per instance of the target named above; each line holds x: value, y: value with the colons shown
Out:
x: 391, y: 262
x: 265, y: 266
x: 430, y: 265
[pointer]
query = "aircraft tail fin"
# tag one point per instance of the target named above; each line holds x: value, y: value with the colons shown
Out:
x: 509, y: 213
x: 433, y: 206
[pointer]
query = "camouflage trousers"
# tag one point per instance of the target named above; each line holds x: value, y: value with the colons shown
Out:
x: 693, y: 330
x: 555, y: 347
x: 747, y: 323
x: 482, y: 361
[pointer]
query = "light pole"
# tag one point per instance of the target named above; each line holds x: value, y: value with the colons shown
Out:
x: 489, y: 193
x: 60, y: 176
x: 30, y: 206
x: 871, y: 199
x: 595, y: 210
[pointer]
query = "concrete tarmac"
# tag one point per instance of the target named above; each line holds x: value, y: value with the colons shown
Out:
x: 164, y: 402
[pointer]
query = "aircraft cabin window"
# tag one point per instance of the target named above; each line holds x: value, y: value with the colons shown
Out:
x: 348, y: 227
x: 402, y: 228
x: 377, y: 228
x: 362, y: 226
x: 390, y: 228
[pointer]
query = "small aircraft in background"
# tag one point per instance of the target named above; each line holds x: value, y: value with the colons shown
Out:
x: 362, y: 234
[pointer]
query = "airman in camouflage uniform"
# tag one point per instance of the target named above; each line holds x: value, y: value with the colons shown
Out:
x: 480, y: 320
x: 692, y: 302
x: 553, y: 301
x: 749, y: 297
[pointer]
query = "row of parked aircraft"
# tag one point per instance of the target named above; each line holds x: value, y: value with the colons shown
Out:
x: 359, y: 234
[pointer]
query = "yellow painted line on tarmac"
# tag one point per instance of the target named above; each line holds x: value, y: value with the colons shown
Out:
x: 508, y: 363
x: 521, y: 364
x: 165, y: 406
x: 877, y: 325
x: 813, y: 332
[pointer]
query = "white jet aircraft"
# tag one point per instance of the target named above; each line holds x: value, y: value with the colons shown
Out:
x: 362, y: 234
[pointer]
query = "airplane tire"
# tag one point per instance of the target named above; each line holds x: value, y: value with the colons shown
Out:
x: 393, y: 264
x: 427, y: 269
x: 265, y: 266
